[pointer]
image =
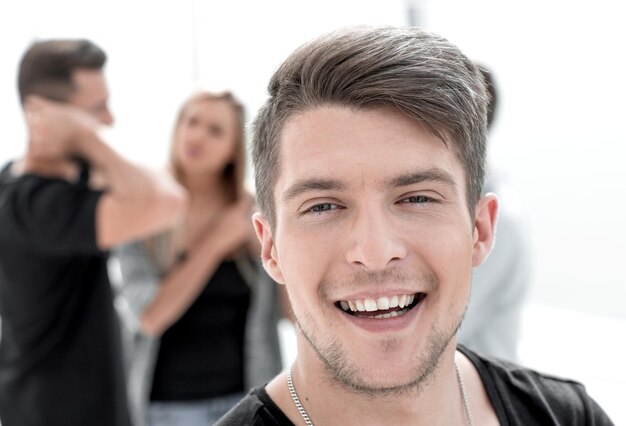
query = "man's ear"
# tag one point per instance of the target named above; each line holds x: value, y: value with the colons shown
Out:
x: 484, y: 228
x: 268, y: 249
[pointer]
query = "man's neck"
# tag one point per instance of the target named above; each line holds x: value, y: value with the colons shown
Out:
x: 437, y: 401
x: 62, y: 169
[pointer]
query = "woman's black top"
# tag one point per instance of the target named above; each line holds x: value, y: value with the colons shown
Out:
x: 201, y: 355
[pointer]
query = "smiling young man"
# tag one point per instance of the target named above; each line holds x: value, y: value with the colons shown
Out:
x: 369, y: 158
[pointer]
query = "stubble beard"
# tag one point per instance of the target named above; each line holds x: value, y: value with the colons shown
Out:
x: 340, y: 370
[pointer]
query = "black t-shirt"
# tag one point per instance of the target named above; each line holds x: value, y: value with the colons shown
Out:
x: 60, y: 357
x: 201, y: 355
x: 521, y: 397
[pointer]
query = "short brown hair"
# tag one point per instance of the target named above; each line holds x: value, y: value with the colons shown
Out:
x: 418, y: 73
x: 47, y: 66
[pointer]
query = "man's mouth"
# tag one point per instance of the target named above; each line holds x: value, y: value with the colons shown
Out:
x: 382, y: 307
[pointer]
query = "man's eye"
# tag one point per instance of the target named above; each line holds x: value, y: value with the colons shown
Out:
x: 323, y: 207
x: 418, y: 199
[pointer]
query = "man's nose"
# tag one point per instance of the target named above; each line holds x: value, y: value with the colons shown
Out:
x: 375, y: 242
x: 105, y: 117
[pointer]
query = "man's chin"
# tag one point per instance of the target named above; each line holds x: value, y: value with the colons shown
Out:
x: 389, y: 368
x: 381, y: 384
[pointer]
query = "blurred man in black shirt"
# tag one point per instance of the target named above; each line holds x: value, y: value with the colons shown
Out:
x: 62, y: 206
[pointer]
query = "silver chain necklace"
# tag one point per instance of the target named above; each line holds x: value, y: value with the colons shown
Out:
x: 308, y: 422
x: 468, y: 411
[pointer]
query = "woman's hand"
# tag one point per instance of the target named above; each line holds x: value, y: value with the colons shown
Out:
x: 234, y: 227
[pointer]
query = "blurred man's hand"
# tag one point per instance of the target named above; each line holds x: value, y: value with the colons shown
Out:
x: 55, y: 129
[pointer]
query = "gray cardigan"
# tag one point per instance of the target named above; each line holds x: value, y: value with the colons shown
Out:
x: 136, y: 280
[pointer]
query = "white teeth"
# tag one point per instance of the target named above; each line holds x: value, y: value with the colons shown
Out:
x: 402, y: 301
x: 390, y: 314
x: 370, y: 305
x: 382, y: 303
x: 393, y: 301
x: 360, y: 306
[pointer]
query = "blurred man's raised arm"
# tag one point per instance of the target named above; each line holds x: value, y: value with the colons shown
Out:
x: 137, y: 202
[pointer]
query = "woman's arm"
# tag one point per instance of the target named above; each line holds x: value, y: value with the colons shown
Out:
x: 180, y: 287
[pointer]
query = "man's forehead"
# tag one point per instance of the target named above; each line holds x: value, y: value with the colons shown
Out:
x: 336, y: 122
x: 341, y: 148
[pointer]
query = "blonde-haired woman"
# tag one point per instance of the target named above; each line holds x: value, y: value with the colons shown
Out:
x: 199, y: 310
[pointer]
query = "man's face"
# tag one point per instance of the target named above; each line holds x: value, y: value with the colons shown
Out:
x: 375, y: 243
x: 91, y: 94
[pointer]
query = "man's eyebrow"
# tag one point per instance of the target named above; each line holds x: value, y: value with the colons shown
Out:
x: 314, y: 184
x: 430, y: 175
